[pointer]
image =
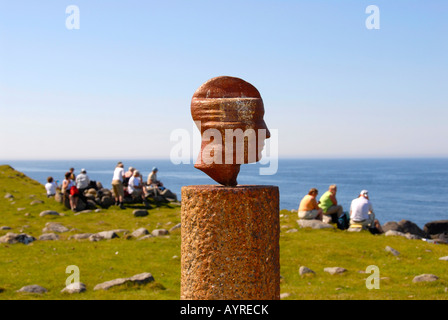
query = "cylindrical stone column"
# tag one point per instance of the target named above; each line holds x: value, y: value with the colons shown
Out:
x: 230, y: 243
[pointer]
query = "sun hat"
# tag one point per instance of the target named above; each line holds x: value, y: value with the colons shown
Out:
x: 364, y: 193
x: 155, y: 169
x: 83, y: 171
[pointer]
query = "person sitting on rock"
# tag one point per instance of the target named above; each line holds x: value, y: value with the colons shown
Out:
x: 82, y: 183
x: 127, y: 176
x: 135, y: 187
x: 152, y: 179
x: 329, y: 205
x: 51, y: 187
x: 308, y: 208
x: 361, y: 213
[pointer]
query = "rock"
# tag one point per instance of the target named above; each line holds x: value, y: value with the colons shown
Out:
x: 391, y: 225
x: 177, y: 226
x: 140, y: 232
x: 392, y: 250
x: 108, y: 234
x: 95, y: 237
x: 141, y: 278
x: 304, y: 270
x: 9, y: 196
x: 159, y: 232
x: 335, y: 270
x: 48, y: 236
x: 49, y: 213
x: 33, y: 289
x: 425, y: 278
x: 146, y: 237
x: 444, y: 258
x: 436, y: 227
x: 54, y: 227
x: 401, y: 234
x: 13, y: 238
x: 80, y: 236
x: 76, y: 287
x: 140, y: 213
x: 407, y: 226
x: 5, y: 228
x: 107, y: 201
x: 284, y: 295
x: 36, y: 202
x: 314, y: 224
x: 91, y: 205
x: 292, y: 230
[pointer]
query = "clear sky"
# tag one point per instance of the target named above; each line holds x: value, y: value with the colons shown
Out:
x: 120, y: 84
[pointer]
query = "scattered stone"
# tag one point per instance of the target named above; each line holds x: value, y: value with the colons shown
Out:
x: 76, y: 287
x: 140, y: 232
x: 107, y: 235
x: 146, y: 237
x: 5, y: 228
x: 95, y: 237
x: 141, y: 278
x: 436, y: 227
x: 292, y: 230
x: 177, y: 226
x: 335, y: 270
x: 407, y: 226
x: 48, y: 236
x: 98, y: 210
x: 49, y: 212
x: 314, y: 224
x: 392, y: 250
x: 401, y: 234
x: 21, y: 209
x: 425, y: 278
x: 80, y: 236
x: 54, y: 227
x: 444, y: 258
x: 140, y: 213
x: 36, y: 202
x: 160, y: 232
x: 284, y: 295
x: 13, y: 238
x: 9, y: 196
x: 304, y: 270
x: 33, y: 289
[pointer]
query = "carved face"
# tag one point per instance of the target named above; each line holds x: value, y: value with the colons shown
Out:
x: 229, y: 114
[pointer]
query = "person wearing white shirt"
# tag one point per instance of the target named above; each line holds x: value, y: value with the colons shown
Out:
x: 51, y: 187
x: 136, y: 188
x: 361, y: 212
x: 117, y: 184
x: 82, y: 182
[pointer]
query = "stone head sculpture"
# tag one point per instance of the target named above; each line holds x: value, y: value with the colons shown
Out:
x: 229, y: 114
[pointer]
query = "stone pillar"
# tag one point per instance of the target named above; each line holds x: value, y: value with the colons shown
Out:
x: 230, y: 243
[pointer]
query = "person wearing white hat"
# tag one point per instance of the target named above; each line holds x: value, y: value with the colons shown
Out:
x: 361, y: 213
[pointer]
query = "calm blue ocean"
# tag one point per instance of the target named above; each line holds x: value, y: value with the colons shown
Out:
x: 412, y: 189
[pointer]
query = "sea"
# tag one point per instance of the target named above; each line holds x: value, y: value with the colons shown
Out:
x: 411, y: 189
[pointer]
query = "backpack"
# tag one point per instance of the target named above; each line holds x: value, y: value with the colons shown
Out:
x: 343, y: 222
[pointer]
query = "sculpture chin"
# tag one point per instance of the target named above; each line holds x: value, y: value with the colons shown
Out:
x: 224, y: 174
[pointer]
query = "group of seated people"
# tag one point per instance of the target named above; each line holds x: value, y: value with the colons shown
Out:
x: 328, y: 210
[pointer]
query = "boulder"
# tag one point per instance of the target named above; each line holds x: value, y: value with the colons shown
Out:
x: 107, y: 201
x: 391, y: 225
x: 54, y: 227
x: 59, y: 197
x: 392, y: 250
x: 49, y: 213
x: 140, y: 232
x: 9, y: 196
x: 33, y: 289
x: 107, y: 235
x: 304, y: 270
x: 80, y: 236
x: 425, y: 278
x: 401, y: 234
x: 141, y: 278
x: 48, y: 236
x: 91, y: 205
x: 13, y: 238
x: 140, y: 213
x: 314, y: 224
x: 444, y: 258
x: 34, y: 202
x: 76, y: 287
x: 5, y: 228
x: 160, y: 232
x: 335, y: 270
x: 407, y: 226
x: 436, y: 227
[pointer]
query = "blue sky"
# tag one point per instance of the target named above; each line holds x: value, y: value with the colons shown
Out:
x: 118, y: 86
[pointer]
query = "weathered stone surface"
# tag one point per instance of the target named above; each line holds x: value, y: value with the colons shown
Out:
x: 392, y: 250
x: 230, y: 243
x: 335, y: 270
x: 140, y: 232
x: 77, y: 287
x: 444, y: 258
x: 54, y: 227
x: 141, y: 278
x: 407, y: 226
x: 9, y: 196
x: 401, y: 234
x: 140, y: 213
x: 36, y: 202
x: 13, y: 238
x: 304, y: 270
x: 5, y: 228
x: 177, y: 226
x: 49, y: 212
x: 425, y: 278
x: 148, y: 236
x: 48, y: 236
x: 159, y: 232
x: 314, y: 224
x: 108, y: 235
x: 33, y: 289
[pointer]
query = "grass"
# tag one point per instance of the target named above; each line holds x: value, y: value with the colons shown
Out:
x: 45, y: 262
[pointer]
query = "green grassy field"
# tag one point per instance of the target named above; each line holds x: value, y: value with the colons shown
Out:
x: 45, y: 262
